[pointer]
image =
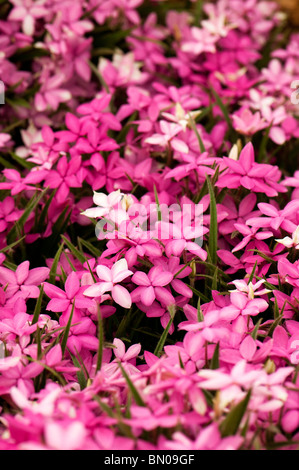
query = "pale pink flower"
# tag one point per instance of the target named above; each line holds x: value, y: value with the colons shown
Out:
x: 27, y: 11
x: 109, y: 282
x: 105, y: 203
x: 248, y: 123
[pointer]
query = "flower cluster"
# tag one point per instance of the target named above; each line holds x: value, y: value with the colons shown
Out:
x: 149, y: 226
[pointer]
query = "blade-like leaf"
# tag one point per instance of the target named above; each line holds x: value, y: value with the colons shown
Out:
x: 77, y: 254
x: 32, y: 204
x: 213, y: 233
x: 137, y: 397
x: 67, y: 330
x: 231, y: 423
x: 163, y: 337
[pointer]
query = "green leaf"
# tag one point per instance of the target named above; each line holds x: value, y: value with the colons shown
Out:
x: 231, y: 423
x: 38, y: 306
x: 194, y: 128
x: 254, y: 332
x: 32, y: 204
x: 215, y: 359
x: 7, y: 164
x: 93, y: 250
x: 12, y: 245
x: 49, y: 369
x: 80, y: 374
x: 67, y: 330
x: 53, y: 271
x: 137, y: 397
x: 200, y: 316
x: 16, y: 102
x: 215, y: 279
x: 223, y: 109
x: 43, y: 215
x: 213, y: 233
x: 21, y: 161
x: 198, y: 11
x: 159, y: 213
x: 252, y: 273
x: 77, y: 254
x: 111, y: 38
x: 262, y: 148
x: 99, y: 76
x: 202, y: 296
x: 163, y: 337
x: 100, y: 338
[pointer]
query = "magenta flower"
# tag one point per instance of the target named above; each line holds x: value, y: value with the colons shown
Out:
x: 16, y: 184
x: 152, y: 286
x: 23, y: 282
x: 109, y: 282
x: 8, y: 213
x: 62, y: 300
x: 67, y: 175
x: 245, y: 172
x: 242, y: 305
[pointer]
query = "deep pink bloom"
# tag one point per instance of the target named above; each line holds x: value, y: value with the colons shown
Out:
x: 152, y: 286
x: 257, y: 177
x: 23, y: 282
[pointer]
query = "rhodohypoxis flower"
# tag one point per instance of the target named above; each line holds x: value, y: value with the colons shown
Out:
x: 62, y: 300
x: 152, y: 286
x: 8, y: 213
x: 289, y: 271
x: 109, y: 282
x: 248, y: 123
x: 241, y: 304
x: 209, y: 438
x: 291, y: 242
x: 126, y: 358
x: 52, y: 93
x: 27, y: 11
x: 105, y: 203
x: 257, y: 177
x: 68, y: 174
x: 22, y: 282
x: 167, y: 136
x: 249, y: 288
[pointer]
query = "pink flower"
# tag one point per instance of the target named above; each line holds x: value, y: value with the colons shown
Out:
x: 109, y: 282
x: 67, y: 175
x: 152, y: 286
x: 62, y: 300
x: 8, y: 213
x: 51, y: 93
x: 65, y: 435
x: 248, y: 123
x: 23, y: 282
x: 242, y: 305
x: 245, y: 172
x: 127, y: 358
x: 167, y: 136
x: 27, y: 11
x: 209, y: 438
x: 105, y: 203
